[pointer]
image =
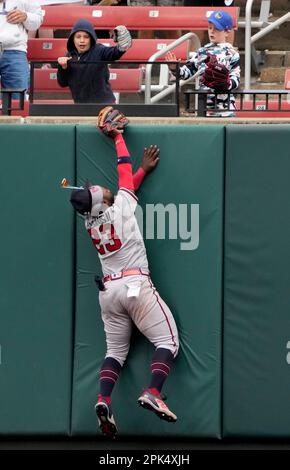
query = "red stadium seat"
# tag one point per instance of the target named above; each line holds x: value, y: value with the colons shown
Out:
x: 141, y: 50
x: 16, y: 104
x: 272, y: 111
x: 287, y: 79
x: 135, y: 18
x: 121, y: 80
x: 25, y: 111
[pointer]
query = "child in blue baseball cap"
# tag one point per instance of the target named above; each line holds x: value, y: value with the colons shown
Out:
x: 218, y: 65
x: 221, y: 20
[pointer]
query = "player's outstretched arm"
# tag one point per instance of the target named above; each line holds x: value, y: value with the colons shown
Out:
x: 111, y: 122
x: 124, y: 164
x: 149, y: 162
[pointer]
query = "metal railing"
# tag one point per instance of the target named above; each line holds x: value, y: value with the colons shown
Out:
x: 267, y: 28
x: 263, y: 23
x: 54, y: 107
x: 274, y: 105
x: 154, y: 57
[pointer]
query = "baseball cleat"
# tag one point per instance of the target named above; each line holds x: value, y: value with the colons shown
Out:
x: 105, y: 418
x: 156, y: 404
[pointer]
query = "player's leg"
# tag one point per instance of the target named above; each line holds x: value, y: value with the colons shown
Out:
x: 109, y: 374
x: 151, y: 398
x: 118, y: 327
x: 154, y: 319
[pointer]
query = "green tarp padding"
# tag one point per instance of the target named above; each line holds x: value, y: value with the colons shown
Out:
x: 190, y: 172
x: 38, y: 313
x: 257, y: 274
x: 37, y: 271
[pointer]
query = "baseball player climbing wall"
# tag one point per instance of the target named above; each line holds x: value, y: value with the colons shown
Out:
x: 127, y: 295
x: 181, y: 277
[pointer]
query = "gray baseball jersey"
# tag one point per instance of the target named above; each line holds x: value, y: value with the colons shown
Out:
x: 116, y: 235
x: 128, y: 299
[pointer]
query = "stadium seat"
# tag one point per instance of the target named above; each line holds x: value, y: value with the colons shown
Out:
x: 25, y: 111
x: 141, y: 50
x: 19, y: 112
x: 121, y: 80
x: 135, y: 18
x: 48, y: 50
x: 260, y: 109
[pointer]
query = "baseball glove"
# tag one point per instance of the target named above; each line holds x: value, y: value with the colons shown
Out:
x: 111, y: 122
x: 216, y: 76
x: 122, y: 37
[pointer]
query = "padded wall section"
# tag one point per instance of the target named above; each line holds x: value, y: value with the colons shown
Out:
x: 257, y: 273
x: 190, y: 172
x: 36, y: 296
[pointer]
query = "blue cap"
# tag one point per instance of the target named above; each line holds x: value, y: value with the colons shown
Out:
x: 221, y: 20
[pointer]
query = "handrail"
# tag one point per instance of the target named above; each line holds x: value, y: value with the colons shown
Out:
x: 270, y: 27
x: 265, y: 106
x: 263, y: 18
x: 248, y: 30
x: 158, y: 54
x: 171, y: 88
x: 249, y: 40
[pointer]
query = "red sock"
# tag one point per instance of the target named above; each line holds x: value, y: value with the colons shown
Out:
x: 106, y: 399
x: 154, y: 391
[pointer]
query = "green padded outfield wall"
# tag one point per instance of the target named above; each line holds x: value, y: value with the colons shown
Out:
x: 257, y: 282
x: 37, y: 266
x: 190, y: 172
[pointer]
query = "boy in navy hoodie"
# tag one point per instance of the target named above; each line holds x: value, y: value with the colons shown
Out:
x: 89, y: 82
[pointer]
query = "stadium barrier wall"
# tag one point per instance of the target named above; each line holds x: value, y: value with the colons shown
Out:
x: 37, y: 272
x: 51, y: 336
x: 190, y: 173
x: 256, y: 359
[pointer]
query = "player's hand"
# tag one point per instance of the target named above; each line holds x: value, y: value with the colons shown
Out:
x: 16, y: 17
x: 171, y: 57
x: 150, y: 158
x: 62, y: 61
